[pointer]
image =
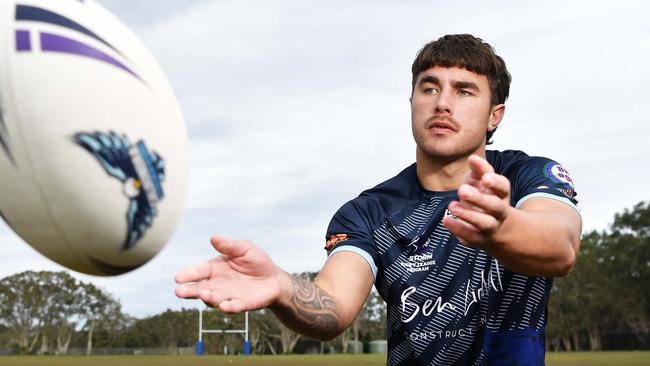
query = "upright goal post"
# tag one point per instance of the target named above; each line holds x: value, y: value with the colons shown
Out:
x: 247, y: 343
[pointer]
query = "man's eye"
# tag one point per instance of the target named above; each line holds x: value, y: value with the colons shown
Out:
x: 464, y: 93
x: 430, y: 91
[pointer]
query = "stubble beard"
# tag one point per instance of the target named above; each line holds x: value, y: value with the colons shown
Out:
x: 448, y: 152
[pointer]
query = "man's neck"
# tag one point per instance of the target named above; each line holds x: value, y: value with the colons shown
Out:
x: 440, y: 175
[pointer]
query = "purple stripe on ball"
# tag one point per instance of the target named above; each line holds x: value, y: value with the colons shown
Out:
x: 23, y: 42
x: 55, y: 43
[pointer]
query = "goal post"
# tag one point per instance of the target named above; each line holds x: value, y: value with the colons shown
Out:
x: 199, y: 344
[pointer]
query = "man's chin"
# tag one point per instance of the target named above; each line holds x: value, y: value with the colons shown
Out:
x: 448, y: 153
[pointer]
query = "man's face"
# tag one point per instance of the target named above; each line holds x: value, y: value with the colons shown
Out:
x: 451, y: 112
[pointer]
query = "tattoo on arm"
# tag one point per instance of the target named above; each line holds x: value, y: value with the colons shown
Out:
x: 314, y: 306
x: 312, y: 311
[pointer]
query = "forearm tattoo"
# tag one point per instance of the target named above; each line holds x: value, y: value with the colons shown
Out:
x: 312, y: 310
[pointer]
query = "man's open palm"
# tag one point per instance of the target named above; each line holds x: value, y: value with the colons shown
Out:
x: 243, y: 278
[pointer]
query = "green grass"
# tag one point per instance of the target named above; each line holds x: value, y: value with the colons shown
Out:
x: 293, y: 360
x: 552, y: 359
x: 623, y: 358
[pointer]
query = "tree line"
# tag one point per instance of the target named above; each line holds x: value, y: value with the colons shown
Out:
x: 603, y: 304
x: 42, y: 311
x: 49, y: 312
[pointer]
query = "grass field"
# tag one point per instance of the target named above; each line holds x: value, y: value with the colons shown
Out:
x: 552, y: 359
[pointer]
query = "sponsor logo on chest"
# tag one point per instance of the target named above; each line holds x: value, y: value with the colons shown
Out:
x: 418, y: 262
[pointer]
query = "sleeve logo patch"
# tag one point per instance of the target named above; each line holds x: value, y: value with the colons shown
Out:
x: 559, y: 174
x: 567, y: 192
x: 333, y: 241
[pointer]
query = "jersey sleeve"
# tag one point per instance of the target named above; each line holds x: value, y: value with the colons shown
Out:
x: 542, y: 177
x: 350, y: 231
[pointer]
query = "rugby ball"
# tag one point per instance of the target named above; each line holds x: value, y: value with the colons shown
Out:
x: 93, y: 147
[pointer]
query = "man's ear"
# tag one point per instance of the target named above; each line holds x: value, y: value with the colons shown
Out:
x: 496, y: 115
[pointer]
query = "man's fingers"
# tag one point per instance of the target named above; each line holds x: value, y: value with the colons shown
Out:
x: 206, y: 297
x: 194, y: 273
x: 466, y: 233
x: 496, y: 184
x: 232, y: 306
x: 230, y: 247
x: 484, y: 223
x: 221, y: 301
x: 212, y: 297
x: 189, y: 291
x: 479, y: 167
x: 471, y: 198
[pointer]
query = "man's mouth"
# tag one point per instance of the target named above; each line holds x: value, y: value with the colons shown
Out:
x: 441, y: 126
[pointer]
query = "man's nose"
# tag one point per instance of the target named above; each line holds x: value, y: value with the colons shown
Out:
x: 443, y: 102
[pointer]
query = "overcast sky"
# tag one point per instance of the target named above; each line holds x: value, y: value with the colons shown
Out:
x: 295, y: 107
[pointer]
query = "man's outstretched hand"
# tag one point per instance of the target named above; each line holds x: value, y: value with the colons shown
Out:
x: 483, y: 206
x: 242, y: 278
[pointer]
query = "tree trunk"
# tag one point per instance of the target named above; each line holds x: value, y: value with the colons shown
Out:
x: 64, y: 349
x: 292, y: 345
x: 89, y: 342
x: 566, y: 342
x: 576, y: 340
x: 44, y: 344
x: 345, y: 337
x: 63, y: 340
x: 23, y: 340
x: 270, y: 346
x: 355, y: 330
x: 595, y: 340
x: 288, y: 338
x: 29, y: 347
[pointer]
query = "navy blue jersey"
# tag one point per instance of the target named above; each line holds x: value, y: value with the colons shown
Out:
x: 450, y: 304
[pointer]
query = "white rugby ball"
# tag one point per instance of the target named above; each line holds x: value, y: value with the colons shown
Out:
x: 93, y: 147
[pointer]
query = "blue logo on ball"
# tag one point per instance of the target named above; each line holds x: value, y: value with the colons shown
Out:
x: 141, y: 172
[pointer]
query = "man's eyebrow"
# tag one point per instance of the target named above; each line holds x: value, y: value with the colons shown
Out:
x: 466, y: 85
x: 429, y: 79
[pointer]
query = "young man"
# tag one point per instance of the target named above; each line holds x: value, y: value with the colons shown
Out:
x: 462, y: 245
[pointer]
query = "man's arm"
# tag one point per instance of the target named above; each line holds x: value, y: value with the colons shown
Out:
x: 245, y: 278
x: 325, y: 308
x: 541, y: 238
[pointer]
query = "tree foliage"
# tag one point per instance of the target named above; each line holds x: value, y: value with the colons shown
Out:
x: 49, y: 312
x: 607, y: 296
x: 46, y: 309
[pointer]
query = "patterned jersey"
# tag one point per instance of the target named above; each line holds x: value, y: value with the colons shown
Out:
x: 450, y: 304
